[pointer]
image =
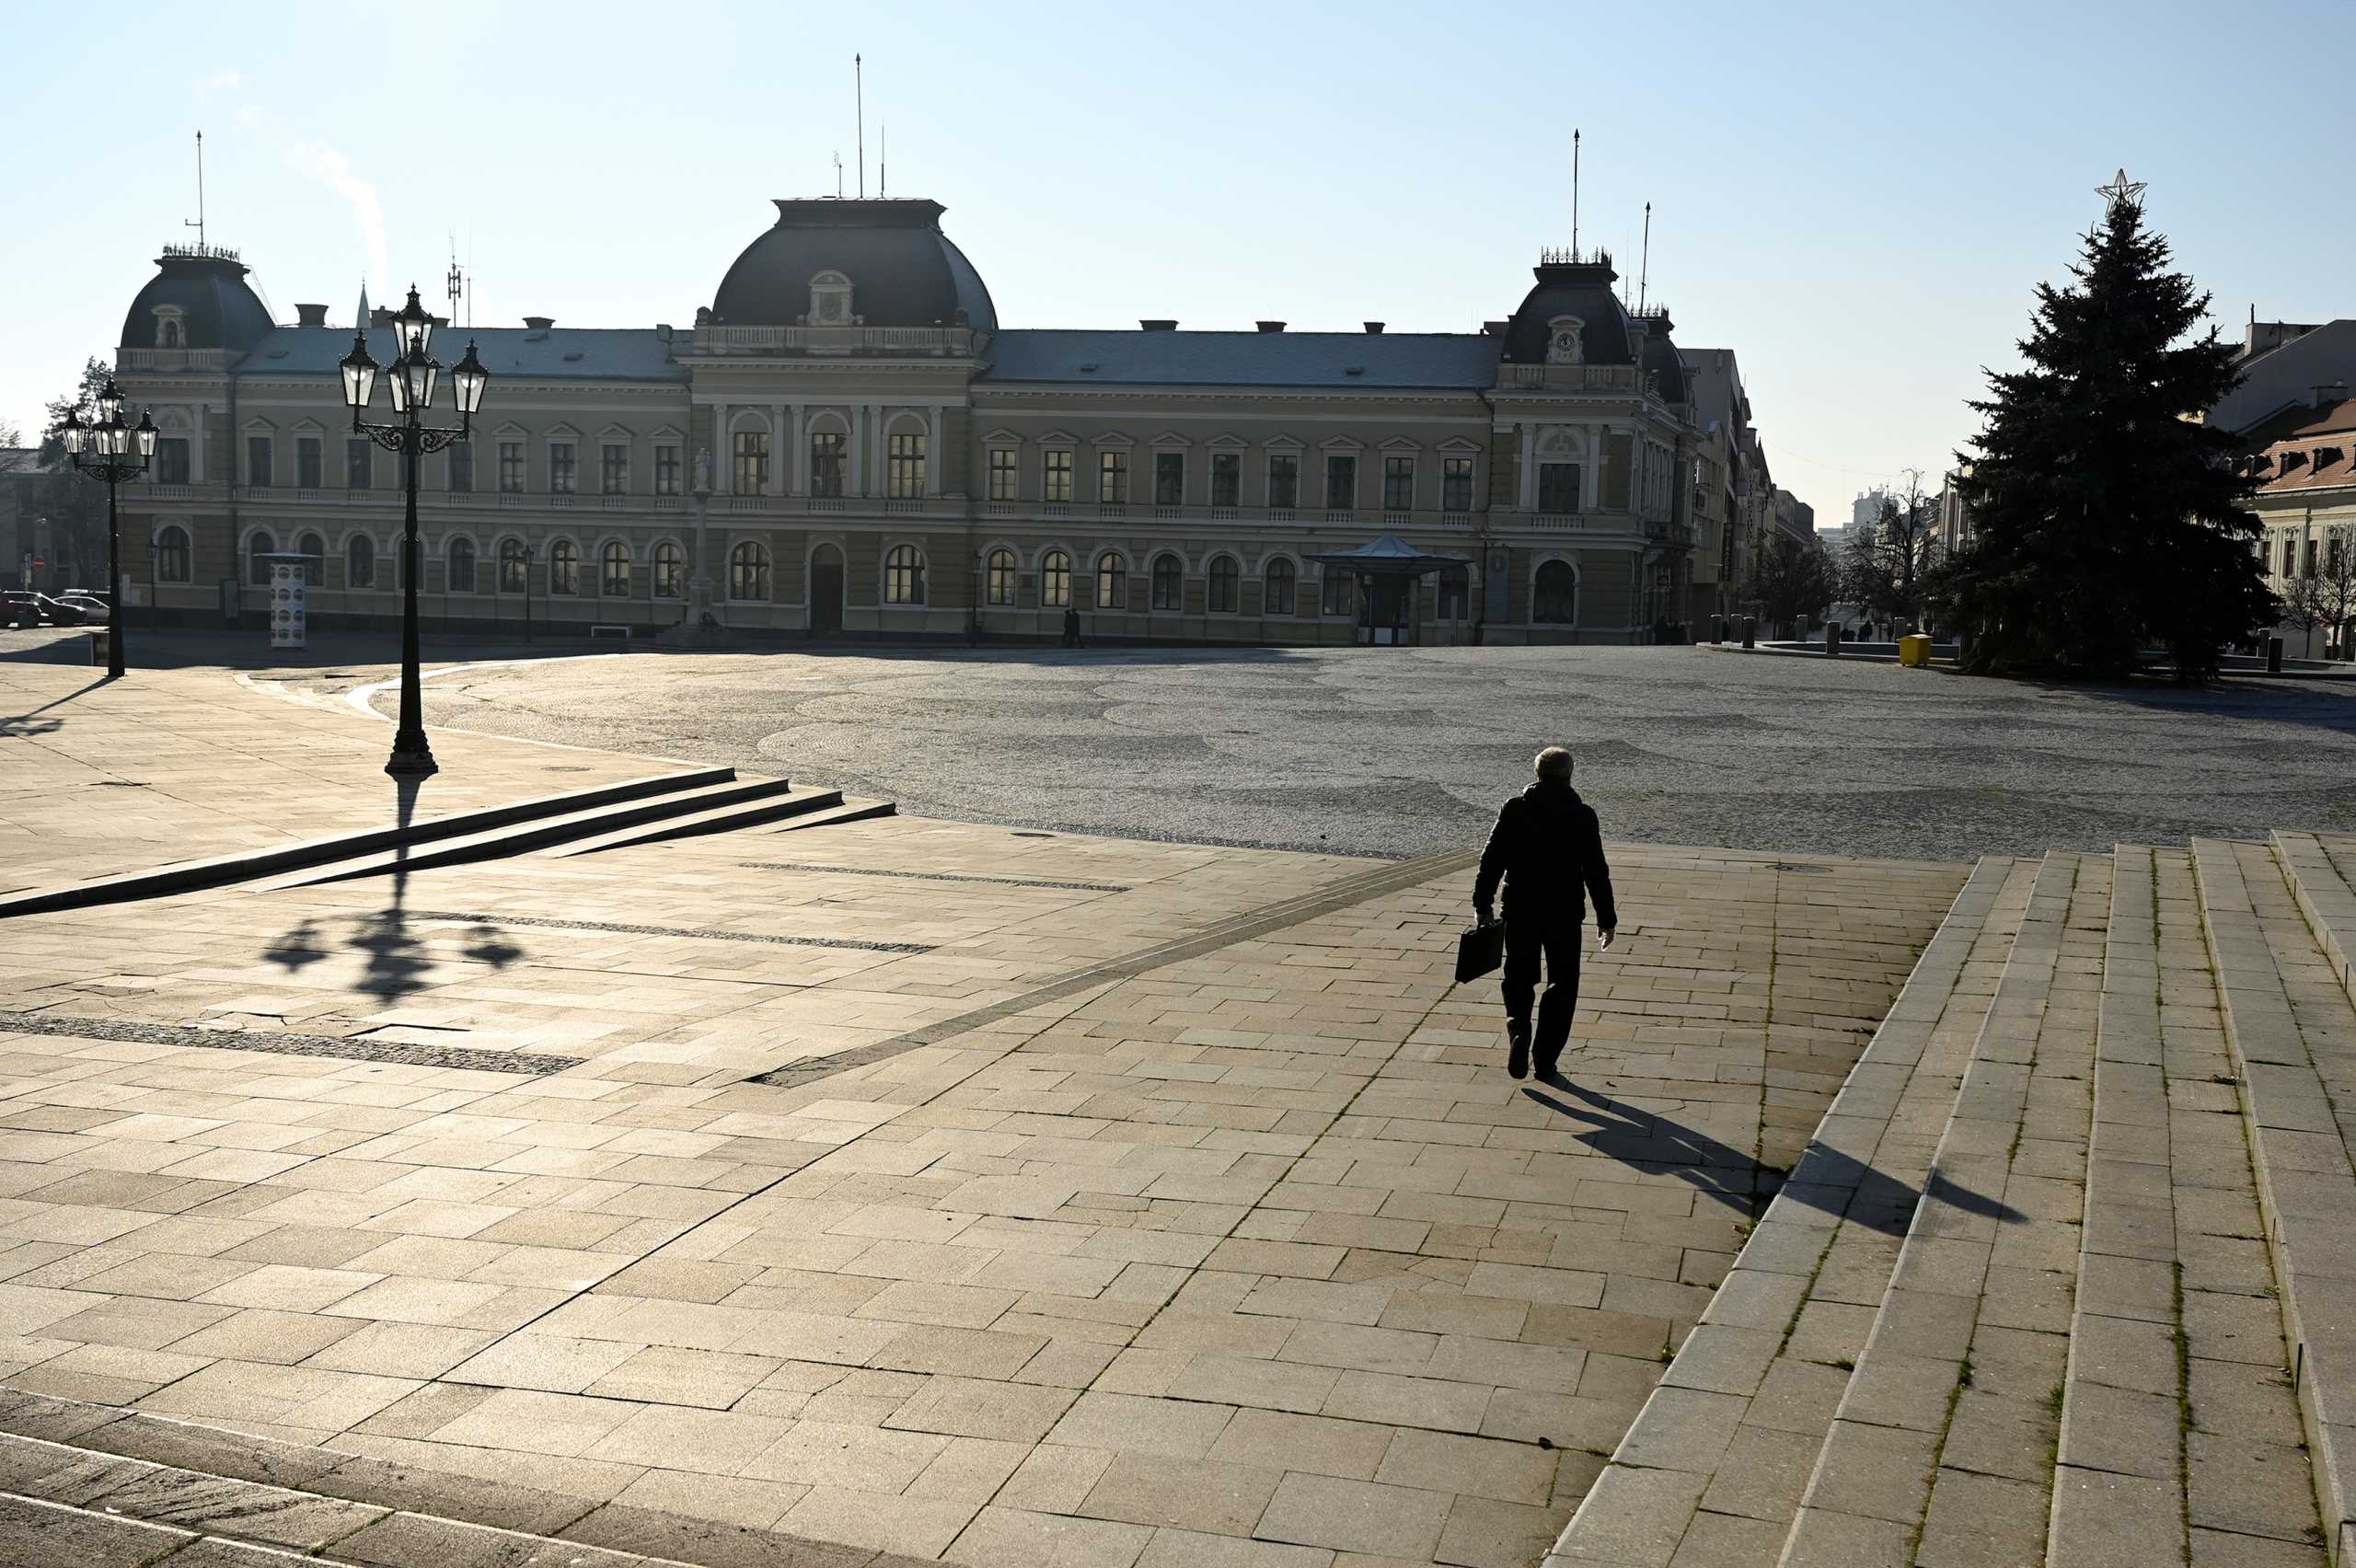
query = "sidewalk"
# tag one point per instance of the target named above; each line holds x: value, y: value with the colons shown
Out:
x: 1175, y: 1209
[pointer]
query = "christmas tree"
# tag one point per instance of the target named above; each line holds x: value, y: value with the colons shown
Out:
x: 2107, y: 517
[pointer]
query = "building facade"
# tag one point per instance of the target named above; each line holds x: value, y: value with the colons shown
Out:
x: 869, y: 454
x: 2305, y: 460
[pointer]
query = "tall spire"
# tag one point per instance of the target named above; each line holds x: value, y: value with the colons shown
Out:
x: 360, y: 322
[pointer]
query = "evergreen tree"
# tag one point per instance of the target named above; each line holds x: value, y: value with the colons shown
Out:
x: 2108, y: 516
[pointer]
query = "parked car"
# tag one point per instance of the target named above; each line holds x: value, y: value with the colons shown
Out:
x: 19, y: 607
x: 59, y: 612
x: 92, y: 605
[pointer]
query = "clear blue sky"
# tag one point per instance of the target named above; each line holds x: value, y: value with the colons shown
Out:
x: 1855, y: 197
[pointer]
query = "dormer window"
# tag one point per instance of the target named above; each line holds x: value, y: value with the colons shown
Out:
x: 169, y: 334
x: 830, y: 300
x: 1563, y: 340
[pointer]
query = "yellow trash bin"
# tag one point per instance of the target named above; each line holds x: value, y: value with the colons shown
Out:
x: 1915, y: 651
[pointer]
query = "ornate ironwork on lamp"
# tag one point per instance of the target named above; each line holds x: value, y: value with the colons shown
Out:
x: 105, y: 450
x: 410, y: 382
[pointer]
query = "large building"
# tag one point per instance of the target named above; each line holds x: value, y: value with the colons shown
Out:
x: 885, y: 459
x: 2305, y: 459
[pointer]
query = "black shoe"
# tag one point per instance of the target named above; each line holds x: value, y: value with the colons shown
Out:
x: 1517, y: 1053
x: 1547, y: 1071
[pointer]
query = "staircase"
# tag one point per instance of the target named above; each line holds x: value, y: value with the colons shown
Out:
x: 2068, y: 1274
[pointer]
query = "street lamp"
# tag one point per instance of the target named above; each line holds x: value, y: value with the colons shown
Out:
x: 410, y: 382
x: 116, y: 452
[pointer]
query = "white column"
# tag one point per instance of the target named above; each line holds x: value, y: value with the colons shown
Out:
x: 779, y: 454
x: 196, y: 445
x: 1526, y: 493
x: 723, y: 457
x: 797, y: 457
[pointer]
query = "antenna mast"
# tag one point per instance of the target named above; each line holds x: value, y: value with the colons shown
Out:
x: 1644, y: 269
x: 1575, y: 195
x: 883, y: 162
x: 456, y: 281
x: 859, y: 95
x: 838, y: 176
x: 199, y: 224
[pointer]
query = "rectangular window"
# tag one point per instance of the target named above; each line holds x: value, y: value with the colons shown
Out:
x: 559, y: 468
x: 1341, y: 481
x: 827, y: 450
x: 1398, y: 484
x: 1558, y: 487
x: 1005, y: 476
x: 667, y: 471
x: 511, y: 466
x: 1058, y: 475
x: 462, y: 465
x: 1227, y: 479
x: 359, y: 464
x: 613, y: 469
x: 752, y: 448
x: 1619, y: 461
x: 2289, y: 564
x: 171, y: 460
x: 903, y: 472
x: 1284, y: 480
x: 1333, y: 594
x: 1456, y: 484
x: 308, y: 462
x: 2311, y: 558
x: 1169, y: 478
x: 1113, y: 479
x: 261, y: 460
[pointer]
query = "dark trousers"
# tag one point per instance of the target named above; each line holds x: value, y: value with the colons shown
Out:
x: 1526, y: 940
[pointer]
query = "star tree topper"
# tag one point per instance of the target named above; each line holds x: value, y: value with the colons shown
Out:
x: 2122, y: 189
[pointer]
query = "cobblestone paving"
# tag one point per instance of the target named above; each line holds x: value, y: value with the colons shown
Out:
x: 1383, y: 752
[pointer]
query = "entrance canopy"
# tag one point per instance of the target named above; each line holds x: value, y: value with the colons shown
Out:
x: 1387, y: 571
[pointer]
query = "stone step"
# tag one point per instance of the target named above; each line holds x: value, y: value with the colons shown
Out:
x: 2292, y: 1030
x: 719, y: 819
x: 221, y: 870
x: 540, y: 834
x: 84, y: 1484
x: 1940, y: 1448
x: 2319, y: 871
x: 1725, y: 1444
x: 851, y: 810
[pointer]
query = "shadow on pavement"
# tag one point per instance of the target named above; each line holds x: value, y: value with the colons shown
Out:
x: 1839, y: 1185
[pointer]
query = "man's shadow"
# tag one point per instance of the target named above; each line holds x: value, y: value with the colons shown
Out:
x: 399, y: 964
x: 1826, y: 1178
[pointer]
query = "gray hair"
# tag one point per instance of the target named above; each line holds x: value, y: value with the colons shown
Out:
x: 1554, y: 763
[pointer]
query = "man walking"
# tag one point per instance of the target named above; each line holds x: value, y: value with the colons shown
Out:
x: 1549, y: 852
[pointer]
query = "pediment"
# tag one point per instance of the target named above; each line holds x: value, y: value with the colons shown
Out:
x: 1171, y: 438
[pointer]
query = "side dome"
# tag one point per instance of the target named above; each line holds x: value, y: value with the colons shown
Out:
x: 1573, y: 300
x: 834, y: 262
x: 198, y: 299
x: 1662, y: 359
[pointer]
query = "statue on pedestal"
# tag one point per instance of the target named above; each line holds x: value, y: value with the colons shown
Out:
x: 703, y: 470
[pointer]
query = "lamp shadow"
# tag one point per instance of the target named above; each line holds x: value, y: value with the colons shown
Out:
x: 1825, y: 1180
x: 22, y: 723
x: 399, y: 964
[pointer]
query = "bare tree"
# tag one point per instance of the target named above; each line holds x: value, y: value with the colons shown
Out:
x: 2336, y: 582
x: 1790, y: 578
x: 1883, y: 567
x: 2304, y: 606
x: 13, y: 454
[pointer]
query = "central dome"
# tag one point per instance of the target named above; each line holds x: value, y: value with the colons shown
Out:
x: 883, y: 263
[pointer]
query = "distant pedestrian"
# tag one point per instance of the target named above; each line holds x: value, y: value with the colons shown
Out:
x: 1548, y: 851
x: 1071, y: 627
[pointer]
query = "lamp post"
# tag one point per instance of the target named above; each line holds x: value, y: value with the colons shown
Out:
x: 117, y: 452
x: 410, y: 382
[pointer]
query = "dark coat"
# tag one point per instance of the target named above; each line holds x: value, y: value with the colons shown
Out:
x: 1548, y: 851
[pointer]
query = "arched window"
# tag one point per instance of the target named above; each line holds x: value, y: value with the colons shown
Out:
x: 1284, y: 587
x: 258, y: 569
x: 748, y: 572
x: 669, y: 562
x: 564, y: 567
x: 360, y: 562
x: 515, y: 567
x: 1054, y: 579
x: 1222, y: 588
x: 1111, y: 582
x: 1555, y: 599
x: 904, y: 576
x: 170, y: 337
x: 613, y: 577
x: 830, y: 300
x: 317, y: 549
x: 998, y: 578
x: 1167, y: 575
x: 462, y: 565
x: 171, y: 554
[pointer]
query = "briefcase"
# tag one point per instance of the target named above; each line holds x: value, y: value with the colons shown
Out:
x: 1480, y: 951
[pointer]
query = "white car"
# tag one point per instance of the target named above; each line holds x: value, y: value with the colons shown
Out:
x: 89, y: 604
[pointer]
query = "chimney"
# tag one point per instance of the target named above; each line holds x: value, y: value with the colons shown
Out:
x: 1374, y: 328
x: 1269, y: 326
x: 1494, y: 329
x: 539, y: 323
x: 310, y: 316
x: 1157, y: 324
